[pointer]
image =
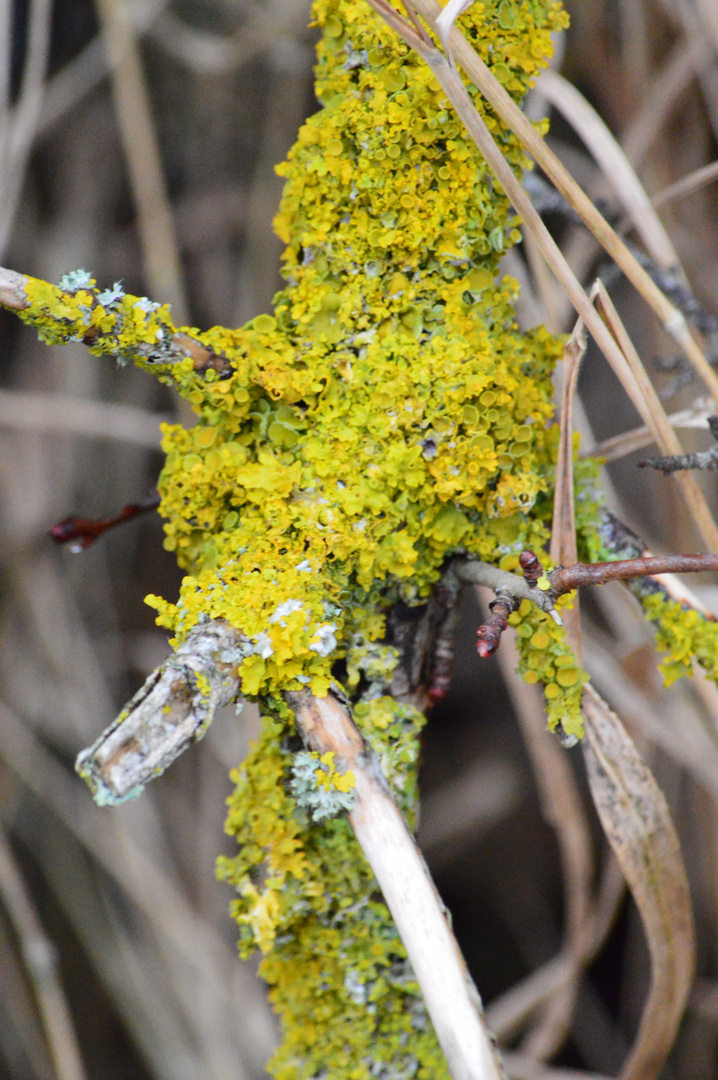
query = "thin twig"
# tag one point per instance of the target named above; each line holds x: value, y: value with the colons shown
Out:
x: 706, y: 459
x: 80, y: 533
x: 567, y: 578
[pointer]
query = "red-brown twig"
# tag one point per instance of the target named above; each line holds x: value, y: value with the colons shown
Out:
x: 81, y: 532
x: 567, y: 578
x: 545, y: 589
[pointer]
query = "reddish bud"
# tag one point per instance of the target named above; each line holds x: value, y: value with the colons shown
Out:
x: 530, y: 565
x: 485, y: 649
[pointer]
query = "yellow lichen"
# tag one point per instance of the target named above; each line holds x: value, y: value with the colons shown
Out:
x: 387, y: 414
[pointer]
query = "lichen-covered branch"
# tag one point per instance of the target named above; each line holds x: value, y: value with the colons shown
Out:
x: 173, y: 710
x: 170, y: 712
x: 686, y: 631
x: 380, y: 437
x: 707, y: 459
x: 451, y: 998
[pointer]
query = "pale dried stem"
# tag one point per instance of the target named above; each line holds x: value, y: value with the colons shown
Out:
x: 58, y: 414
x: 450, y: 995
x: 39, y: 956
x: 157, y: 233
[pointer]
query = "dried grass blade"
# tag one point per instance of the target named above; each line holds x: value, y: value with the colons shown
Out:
x: 687, y: 185
x: 638, y: 825
x: 619, y: 446
x: 448, y: 17
x: 644, y: 397
x: 614, y: 164
x: 673, y: 321
x: 563, y: 809
x: 563, y: 550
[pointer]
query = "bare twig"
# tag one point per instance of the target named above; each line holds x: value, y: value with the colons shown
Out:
x: 80, y: 532
x: 489, y: 633
x: 708, y: 459
x: 567, y: 578
x: 544, y: 590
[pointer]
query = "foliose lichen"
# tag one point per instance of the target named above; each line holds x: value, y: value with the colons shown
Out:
x: 387, y: 414
x: 684, y: 633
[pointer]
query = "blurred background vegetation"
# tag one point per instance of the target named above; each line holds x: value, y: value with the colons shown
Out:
x: 137, y: 140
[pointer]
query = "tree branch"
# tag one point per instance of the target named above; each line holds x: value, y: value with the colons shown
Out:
x: 450, y: 995
x: 171, y: 711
